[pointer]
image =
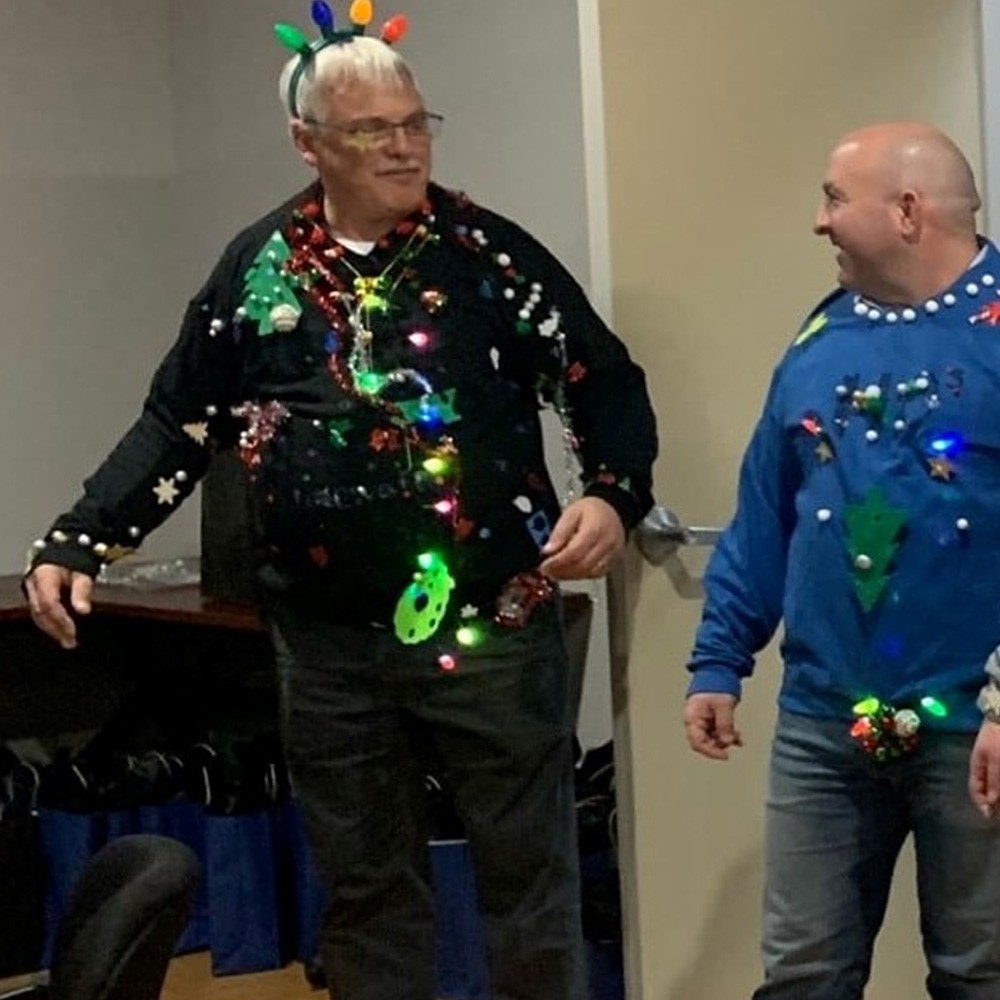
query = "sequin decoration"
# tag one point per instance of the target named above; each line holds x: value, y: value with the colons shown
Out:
x: 940, y: 468
x: 989, y: 314
x: 337, y: 430
x: 263, y: 422
x: 385, y: 439
x: 371, y: 293
x: 813, y: 426
x: 319, y: 556
x: 519, y: 598
x: 433, y: 300
x: 884, y: 732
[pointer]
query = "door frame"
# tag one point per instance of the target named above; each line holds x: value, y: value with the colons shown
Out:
x: 600, y: 290
x: 989, y: 74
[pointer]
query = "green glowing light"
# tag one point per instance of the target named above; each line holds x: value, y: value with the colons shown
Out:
x: 867, y: 707
x: 933, y: 707
x: 468, y: 636
x: 371, y: 382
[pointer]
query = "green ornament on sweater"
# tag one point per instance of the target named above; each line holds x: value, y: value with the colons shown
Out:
x: 873, y: 530
x: 269, y: 292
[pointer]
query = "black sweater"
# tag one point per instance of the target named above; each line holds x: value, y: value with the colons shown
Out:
x: 427, y: 442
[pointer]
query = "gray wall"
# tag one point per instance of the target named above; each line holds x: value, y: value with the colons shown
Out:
x: 138, y: 137
x: 86, y: 162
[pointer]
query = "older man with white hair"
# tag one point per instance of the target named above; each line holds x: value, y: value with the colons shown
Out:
x: 377, y: 350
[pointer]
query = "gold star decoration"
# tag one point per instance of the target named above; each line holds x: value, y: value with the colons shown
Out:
x: 197, y: 431
x: 824, y: 452
x: 116, y: 552
x: 941, y: 468
x: 166, y: 491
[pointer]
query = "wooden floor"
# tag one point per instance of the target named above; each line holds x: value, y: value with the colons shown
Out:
x: 190, y: 978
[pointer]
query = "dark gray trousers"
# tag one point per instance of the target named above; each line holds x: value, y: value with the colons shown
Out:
x: 360, y: 714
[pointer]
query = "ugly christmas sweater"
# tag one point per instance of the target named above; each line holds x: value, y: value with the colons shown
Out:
x: 868, y: 514
x: 386, y: 407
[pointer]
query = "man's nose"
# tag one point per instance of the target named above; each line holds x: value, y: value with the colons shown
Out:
x: 400, y: 141
x: 821, y: 223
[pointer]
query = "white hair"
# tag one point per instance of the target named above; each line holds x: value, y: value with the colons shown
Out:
x: 364, y: 59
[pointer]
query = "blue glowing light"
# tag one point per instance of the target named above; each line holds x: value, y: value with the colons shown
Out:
x: 946, y: 444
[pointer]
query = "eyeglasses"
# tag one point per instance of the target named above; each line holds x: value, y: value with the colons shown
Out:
x: 422, y: 126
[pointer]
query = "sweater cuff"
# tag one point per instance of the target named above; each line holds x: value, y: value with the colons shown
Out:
x: 75, y: 558
x: 715, y: 679
x: 989, y: 701
x: 625, y: 504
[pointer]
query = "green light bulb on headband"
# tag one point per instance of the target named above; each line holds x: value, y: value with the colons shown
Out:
x: 292, y: 38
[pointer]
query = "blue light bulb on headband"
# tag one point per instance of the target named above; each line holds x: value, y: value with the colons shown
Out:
x: 322, y: 16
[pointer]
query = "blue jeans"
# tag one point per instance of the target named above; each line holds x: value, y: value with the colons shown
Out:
x: 836, y: 821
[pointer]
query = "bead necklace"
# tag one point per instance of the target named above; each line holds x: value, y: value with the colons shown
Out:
x: 373, y: 295
x: 349, y: 312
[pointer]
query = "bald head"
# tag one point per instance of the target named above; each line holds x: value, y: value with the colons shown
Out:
x: 919, y: 158
x: 899, y: 205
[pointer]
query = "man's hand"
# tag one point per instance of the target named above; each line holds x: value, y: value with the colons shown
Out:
x: 984, y: 770
x: 585, y: 540
x: 710, y: 726
x: 48, y: 587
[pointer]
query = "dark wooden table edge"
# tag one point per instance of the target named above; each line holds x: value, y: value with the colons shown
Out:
x: 185, y: 605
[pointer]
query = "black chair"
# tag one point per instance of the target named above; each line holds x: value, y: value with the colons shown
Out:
x: 122, y: 922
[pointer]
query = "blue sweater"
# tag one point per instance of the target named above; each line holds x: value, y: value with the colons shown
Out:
x: 868, y: 516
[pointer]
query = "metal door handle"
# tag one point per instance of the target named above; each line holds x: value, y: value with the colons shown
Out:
x: 661, y: 533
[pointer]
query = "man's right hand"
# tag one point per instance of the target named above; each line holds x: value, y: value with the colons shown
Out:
x: 52, y: 592
x: 709, y: 721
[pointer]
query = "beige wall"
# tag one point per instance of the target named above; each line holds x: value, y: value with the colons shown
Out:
x: 719, y: 115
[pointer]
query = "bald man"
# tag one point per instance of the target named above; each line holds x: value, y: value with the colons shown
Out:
x: 868, y: 521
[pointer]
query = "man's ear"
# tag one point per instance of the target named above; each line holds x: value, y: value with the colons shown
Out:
x: 305, y: 140
x: 910, y: 211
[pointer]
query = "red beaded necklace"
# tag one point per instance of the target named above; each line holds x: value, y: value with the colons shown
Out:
x: 315, y: 254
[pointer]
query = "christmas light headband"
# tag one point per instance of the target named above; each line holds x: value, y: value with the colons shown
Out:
x: 361, y: 13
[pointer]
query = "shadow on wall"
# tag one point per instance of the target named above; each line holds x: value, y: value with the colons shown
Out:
x: 725, y: 961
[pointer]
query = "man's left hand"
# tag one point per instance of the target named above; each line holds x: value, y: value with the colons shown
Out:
x: 584, y: 542
x: 984, y: 770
